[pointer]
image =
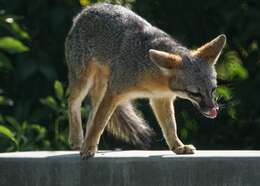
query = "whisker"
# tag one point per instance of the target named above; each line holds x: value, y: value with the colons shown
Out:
x: 221, y: 106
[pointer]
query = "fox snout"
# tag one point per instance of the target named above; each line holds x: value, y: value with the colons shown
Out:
x: 209, y: 108
x: 206, y: 105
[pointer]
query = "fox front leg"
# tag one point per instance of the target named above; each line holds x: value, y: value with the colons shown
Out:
x: 164, y: 112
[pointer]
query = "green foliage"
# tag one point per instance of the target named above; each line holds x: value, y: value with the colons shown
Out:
x: 5, y: 101
x: 23, y: 136
x: 59, y: 115
x: 232, y: 67
x: 224, y: 91
x: 59, y: 91
x: 33, y: 75
x: 7, y: 133
x: 5, y: 63
x: 84, y: 2
x: 12, y: 45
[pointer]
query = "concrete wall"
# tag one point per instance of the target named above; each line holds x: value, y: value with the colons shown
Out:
x: 125, y: 168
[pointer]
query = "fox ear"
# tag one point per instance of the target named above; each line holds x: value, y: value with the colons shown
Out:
x: 164, y: 60
x: 210, y: 51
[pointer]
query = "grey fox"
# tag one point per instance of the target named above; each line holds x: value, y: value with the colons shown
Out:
x: 116, y: 56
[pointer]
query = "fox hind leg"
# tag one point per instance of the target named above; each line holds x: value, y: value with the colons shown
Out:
x: 96, y: 126
x: 78, y: 90
x: 75, y: 124
x: 97, y: 94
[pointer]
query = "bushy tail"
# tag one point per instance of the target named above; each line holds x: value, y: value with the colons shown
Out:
x: 127, y: 124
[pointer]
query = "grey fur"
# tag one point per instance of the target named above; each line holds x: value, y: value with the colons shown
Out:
x: 115, y: 35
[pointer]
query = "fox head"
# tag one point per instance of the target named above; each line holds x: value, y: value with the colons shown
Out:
x: 192, y: 74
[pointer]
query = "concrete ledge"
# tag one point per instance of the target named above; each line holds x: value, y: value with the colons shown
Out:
x: 125, y: 168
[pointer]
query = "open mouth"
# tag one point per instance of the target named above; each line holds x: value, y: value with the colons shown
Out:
x: 211, y: 113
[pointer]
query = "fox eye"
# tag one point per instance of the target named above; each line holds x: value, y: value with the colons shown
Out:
x: 194, y: 94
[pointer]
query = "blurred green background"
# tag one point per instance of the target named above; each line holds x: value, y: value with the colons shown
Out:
x: 33, y: 75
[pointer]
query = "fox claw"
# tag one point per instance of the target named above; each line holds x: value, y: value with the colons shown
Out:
x: 87, y: 152
x: 185, y: 149
x: 87, y: 155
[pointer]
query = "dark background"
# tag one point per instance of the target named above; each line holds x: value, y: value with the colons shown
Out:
x: 33, y: 75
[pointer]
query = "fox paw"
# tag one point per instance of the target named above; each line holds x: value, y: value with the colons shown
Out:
x: 185, y: 149
x: 88, y: 152
x: 75, y: 143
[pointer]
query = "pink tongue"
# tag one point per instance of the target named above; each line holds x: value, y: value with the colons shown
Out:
x: 213, y: 112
